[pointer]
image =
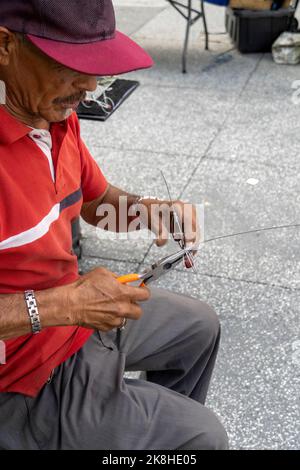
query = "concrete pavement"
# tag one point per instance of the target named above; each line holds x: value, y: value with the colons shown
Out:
x: 228, y: 122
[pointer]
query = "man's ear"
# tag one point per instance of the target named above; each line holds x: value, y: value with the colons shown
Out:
x: 7, y: 43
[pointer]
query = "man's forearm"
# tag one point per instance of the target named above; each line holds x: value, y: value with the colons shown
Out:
x: 91, y: 214
x: 14, y: 318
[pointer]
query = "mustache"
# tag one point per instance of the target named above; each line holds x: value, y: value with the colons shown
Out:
x: 70, y: 99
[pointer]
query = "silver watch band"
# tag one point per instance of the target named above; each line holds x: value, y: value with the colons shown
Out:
x: 33, y: 311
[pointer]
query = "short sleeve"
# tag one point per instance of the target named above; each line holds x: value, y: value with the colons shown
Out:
x: 93, y: 182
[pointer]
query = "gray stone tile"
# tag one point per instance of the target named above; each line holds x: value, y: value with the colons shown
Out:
x: 169, y: 20
x: 257, y: 132
x: 139, y: 172
x: 264, y: 125
x: 272, y: 82
x: 119, y: 267
x: 221, y: 71
x: 163, y: 38
x: 232, y: 206
x: 256, y: 373
x: 271, y: 260
x: 161, y: 119
x: 255, y: 388
x: 130, y: 19
x: 114, y: 249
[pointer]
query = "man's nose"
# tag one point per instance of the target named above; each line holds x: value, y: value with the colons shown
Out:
x: 86, y: 82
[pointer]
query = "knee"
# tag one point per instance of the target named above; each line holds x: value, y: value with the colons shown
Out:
x: 215, y: 437
x: 207, y: 323
x: 212, y: 437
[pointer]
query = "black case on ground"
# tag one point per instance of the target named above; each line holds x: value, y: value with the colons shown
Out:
x: 119, y: 91
x: 256, y: 31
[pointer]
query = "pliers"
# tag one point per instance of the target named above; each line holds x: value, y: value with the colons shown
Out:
x: 157, y: 269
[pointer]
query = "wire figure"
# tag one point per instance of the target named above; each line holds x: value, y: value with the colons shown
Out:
x: 99, y: 96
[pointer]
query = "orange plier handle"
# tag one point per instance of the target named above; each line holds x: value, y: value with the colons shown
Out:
x: 128, y: 278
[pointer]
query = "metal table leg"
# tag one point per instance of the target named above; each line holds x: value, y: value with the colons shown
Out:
x: 187, y: 35
x: 205, y: 24
x: 191, y: 15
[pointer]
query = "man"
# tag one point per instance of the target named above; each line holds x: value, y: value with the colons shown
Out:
x: 62, y: 385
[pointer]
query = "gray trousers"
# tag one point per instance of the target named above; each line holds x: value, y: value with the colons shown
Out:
x: 90, y: 405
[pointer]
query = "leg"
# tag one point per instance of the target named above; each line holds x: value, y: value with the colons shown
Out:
x: 187, y: 33
x: 175, y: 341
x: 15, y: 432
x: 88, y: 405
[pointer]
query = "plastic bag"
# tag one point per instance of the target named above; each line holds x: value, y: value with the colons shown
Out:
x: 286, y: 49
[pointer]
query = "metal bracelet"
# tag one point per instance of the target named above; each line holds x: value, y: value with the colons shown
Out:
x: 33, y: 311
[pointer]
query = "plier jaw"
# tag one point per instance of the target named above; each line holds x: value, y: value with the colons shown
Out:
x: 158, y: 269
x: 164, y: 266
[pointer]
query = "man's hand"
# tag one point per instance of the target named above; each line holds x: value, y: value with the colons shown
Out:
x: 162, y: 221
x: 98, y: 301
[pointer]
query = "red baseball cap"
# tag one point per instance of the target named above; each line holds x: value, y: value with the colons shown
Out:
x: 79, y: 34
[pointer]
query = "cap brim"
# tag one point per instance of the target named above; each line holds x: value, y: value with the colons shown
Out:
x: 108, y: 57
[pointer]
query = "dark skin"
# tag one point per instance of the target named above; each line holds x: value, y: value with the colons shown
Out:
x: 36, y: 86
x: 40, y: 91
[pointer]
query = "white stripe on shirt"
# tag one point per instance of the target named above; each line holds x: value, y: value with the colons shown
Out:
x: 44, y: 142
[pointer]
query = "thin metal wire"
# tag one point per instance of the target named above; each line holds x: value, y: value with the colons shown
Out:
x: 264, y: 229
x: 223, y: 237
x: 181, y: 242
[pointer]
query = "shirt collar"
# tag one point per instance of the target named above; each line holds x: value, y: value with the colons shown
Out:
x: 12, y: 130
x: 40, y: 136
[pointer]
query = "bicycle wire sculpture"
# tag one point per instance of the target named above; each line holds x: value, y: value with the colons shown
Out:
x: 99, y: 96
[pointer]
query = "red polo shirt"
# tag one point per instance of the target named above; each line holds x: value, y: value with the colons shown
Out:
x: 36, y: 239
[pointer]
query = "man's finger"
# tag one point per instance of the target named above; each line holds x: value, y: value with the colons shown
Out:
x: 137, y: 294
x: 130, y: 310
x: 162, y: 234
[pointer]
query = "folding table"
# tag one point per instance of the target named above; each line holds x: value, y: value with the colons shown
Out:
x: 191, y: 14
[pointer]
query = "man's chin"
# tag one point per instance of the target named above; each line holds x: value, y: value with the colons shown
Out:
x: 59, y: 115
x: 67, y: 113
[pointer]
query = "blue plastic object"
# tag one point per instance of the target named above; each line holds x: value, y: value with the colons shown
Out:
x: 221, y: 3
